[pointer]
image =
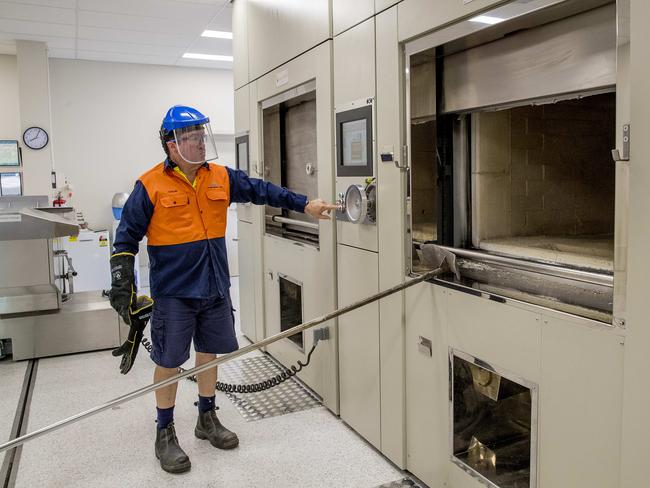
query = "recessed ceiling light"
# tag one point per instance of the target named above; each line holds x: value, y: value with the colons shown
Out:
x: 217, y: 34
x: 486, y: 19
x: 208, y: 57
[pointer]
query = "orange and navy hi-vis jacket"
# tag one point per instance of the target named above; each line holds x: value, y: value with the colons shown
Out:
x: 185, y: 225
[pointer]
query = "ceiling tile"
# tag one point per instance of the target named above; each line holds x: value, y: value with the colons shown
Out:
x: 52, y: 42
x: 124, y: 58
x: 62, y: 53
x: 135, y: 22
x: 200, y: 63
x: 211, y: 46
x: 19, y: 27
x: 128, y: 48
x: 35, y: 13
x: 142, y: 31
x: 48, y: 3
x: 137, y: 37
x: 169, y: 9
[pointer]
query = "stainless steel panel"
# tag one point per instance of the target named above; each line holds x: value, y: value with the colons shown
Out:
x: 24, y: 263
x: 240, y: 43
x: 246, y: 280
x: 280, y: 31
x: 512, y: 16
x: 303, y: 89
x: 16, y: 202
x: 571, y: 55
x: 346, y: 14
x: 359, y: 360
x: 29, y: 223
x: 28, y: 299
x: 86, y: 322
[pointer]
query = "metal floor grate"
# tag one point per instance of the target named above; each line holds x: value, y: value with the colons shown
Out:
x: 290, y: 396
x: 403, y: 483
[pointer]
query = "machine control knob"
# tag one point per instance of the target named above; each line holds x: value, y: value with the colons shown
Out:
x: 340, y: 203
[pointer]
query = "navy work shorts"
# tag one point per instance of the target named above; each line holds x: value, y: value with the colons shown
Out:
x: 176, y: 321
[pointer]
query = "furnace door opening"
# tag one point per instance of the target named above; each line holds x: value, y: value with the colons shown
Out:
x: 290, y: 160
x: 543, y: 182
x: 510, y: 130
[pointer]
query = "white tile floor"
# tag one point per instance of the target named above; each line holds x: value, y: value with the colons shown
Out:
x: 12, y: 376
x: 312, y: 448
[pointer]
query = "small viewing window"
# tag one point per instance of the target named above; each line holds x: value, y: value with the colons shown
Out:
x: 11, y: 184
x: 9, y: 153
x: 493, y: 423
x: 291, y: 309
x: 241, y: 156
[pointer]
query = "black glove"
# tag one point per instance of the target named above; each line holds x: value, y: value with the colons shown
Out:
x: 122, y: 284
x: 140, y: 312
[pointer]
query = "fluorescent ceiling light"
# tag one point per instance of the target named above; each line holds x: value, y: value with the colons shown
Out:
x: 486, y: 19
x: 208, y: 57
x: 217, y: 34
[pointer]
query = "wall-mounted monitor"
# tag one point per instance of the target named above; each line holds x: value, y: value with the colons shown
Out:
x: 11, y: 184
x: 9, y: 153
x: 354, y: 142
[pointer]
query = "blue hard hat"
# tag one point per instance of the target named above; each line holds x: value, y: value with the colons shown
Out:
x: 180, y: 116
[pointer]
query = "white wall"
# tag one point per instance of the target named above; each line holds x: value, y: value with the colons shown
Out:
x: 105, y: 121
x: 10, y: 120
x: 9, y: 107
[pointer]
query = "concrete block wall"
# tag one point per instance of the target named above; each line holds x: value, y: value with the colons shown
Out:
x: 423, y: 180
x: 562, y: 173
x: 547, y: 170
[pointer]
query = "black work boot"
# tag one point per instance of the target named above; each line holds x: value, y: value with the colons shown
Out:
x: 172, y: 458
x: 208, y: 427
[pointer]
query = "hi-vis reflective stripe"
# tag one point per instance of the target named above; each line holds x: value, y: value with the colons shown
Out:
x: 123, y: 254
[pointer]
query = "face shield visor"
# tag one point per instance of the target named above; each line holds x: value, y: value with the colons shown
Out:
x: 195, y: 143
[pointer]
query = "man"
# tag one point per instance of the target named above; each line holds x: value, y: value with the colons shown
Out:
x: 181, y: 205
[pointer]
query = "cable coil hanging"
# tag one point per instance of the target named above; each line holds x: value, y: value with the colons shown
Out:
x: 253, y: 387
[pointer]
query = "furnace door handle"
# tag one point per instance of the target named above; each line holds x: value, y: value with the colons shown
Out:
x: 425, y: 346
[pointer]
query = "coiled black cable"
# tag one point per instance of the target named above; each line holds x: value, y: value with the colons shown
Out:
x: 253, y: 387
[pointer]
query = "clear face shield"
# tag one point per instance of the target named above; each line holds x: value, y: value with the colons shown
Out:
x: 195, y: 143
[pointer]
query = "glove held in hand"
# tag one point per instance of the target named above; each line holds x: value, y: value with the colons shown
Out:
x: 139, y: 312
x: 122, y: 284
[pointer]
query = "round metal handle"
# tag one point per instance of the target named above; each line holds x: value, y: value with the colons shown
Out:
x: 356, y: 204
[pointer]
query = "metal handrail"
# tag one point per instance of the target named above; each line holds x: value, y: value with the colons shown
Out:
x: 227, y: 357
x: 285, y: 220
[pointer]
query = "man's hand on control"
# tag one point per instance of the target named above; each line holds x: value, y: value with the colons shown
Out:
x: 319, y: 209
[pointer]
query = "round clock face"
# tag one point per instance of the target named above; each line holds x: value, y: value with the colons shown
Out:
x: 35, y: 138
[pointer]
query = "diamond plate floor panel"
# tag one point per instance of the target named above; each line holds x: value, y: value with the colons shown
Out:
x: 290, y: 396
x: 403, y: 483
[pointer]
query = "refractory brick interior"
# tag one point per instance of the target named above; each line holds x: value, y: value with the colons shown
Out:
x: 545, y: 170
